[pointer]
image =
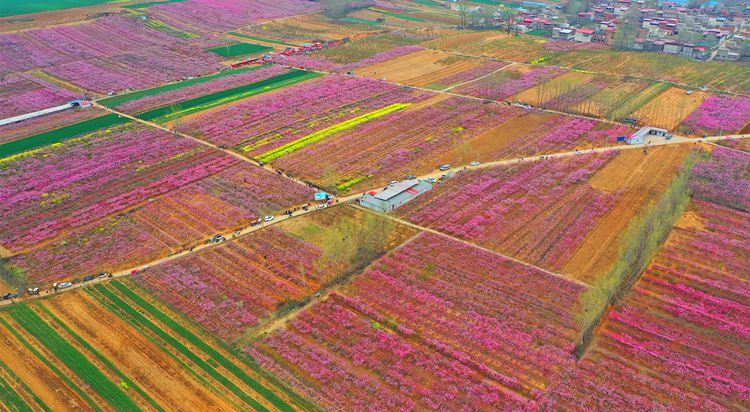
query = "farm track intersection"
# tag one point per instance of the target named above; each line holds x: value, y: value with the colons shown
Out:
x: 350, y: 198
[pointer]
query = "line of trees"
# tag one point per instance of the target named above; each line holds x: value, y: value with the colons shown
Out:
x: 637, y: 247
x: 13, y: 276
x: 350, y: 244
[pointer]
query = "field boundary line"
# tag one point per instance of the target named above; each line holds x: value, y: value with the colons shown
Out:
x: 711, y: 143
x: 650, y: 79
x: 325, y: 293
x: 478, y: 78
x: 345, y: 199
x: 468, y: 243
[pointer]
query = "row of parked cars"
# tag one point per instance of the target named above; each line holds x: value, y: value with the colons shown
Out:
x: 89, y: 278
x: 58, y: 285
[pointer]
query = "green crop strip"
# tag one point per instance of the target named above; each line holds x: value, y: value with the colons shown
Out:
x: 202, y: 345
x: 638, y: 100
x: 140, y: 318
x: 72, y: 358
x: 23, y: 386
x: 428, y: 3
x: 11, y: 399
x: 51, y: 366
x: 306, y: 405
x: 115, y: 101
x: 15, y: 7
x: 186, y: 107
x: 239, y: 49
x: 149, y: 4
x: 258, y: 38
x: 328, y: 131
x: 165, y: 28
x: 357, y: 20
x: 140, y: 328
x: 396, y: 15
x: 58, y: 135
x: 101, y: 357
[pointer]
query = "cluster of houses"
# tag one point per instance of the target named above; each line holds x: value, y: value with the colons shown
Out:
x: 701, y: 33
x: 710, y: 31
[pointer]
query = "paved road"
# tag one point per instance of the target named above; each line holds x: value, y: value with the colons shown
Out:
x: 346, y: 199
x: 435, y: 174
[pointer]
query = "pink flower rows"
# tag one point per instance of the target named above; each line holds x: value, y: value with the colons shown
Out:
x: 433, y: 333
x: 685, y: 323
x: 229, y: 288
x: 222, y: 202
x: 55, y: 225
x: 500, y: 86
x: 539, y: 211
x: 559, y: 134
x: 132, y: 71
x: 398, y: 144
x: 720, y: 113
x: 24, y: 94
x: 314, y: 62
x: 223, y: 15
x: 70, y: 184
x: 106, y: 54
x: 270, y: 120
x: 110, y: 244
x: 723, y: 178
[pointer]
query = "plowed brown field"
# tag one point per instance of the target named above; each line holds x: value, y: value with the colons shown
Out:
x: 670, y: 108
x: 419, y: 68
x: 139, y: 358
x: 641, y: 179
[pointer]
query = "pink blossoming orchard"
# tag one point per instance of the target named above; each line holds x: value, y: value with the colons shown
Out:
x: 303, y: 205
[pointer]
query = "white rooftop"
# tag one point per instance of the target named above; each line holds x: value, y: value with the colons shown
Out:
x: 395, y: 189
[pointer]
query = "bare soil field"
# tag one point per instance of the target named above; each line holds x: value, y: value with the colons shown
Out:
x: 52, y: 379
x: 300, y: 29
x: 642, y: 179
x: 670, y: 108
x: 419, y: 68
x: 481, y: 147
x: 38, y: 377
x: 327, y: 29
x: 461, y: 39
x: 149, y: 366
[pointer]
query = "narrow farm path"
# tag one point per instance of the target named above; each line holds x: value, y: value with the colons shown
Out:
x: 349, y: 198
x: 230, y: 152
x: 273, y: 324
x: 478, y: 78
x: 718, y: 145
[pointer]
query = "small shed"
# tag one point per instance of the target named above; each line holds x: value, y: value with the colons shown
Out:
x: 646, y: 133
x: 394, y: 195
